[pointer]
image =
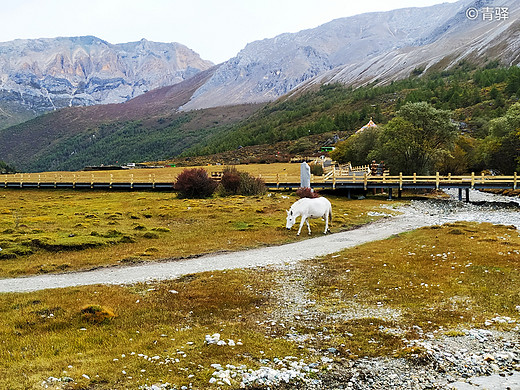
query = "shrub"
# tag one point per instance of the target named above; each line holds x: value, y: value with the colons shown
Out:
x: 195, y: 183
x: 306, y: 192
x: 250, y: 185
x: 316, y: 169
x: 230, y: 182
x: 96, y: 314
x: 234, y: 182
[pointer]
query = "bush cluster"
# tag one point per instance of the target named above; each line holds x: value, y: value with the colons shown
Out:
x: 306, y: 192
x: 316, y: 169
x: 234, y: 182
x: 195, y: 183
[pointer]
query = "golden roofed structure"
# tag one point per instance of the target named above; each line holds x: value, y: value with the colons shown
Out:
x: 367, y: 126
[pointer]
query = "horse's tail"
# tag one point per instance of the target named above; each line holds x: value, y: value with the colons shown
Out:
x: 330, y: 213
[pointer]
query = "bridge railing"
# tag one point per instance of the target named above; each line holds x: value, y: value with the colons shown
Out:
x: 438, y: 180
x: 334, y: 176
x: 134, y: 176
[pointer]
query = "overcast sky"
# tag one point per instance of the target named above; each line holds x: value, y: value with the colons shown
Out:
x: 216, y: 29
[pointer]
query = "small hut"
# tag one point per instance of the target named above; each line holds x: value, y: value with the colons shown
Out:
x: 367, y: 126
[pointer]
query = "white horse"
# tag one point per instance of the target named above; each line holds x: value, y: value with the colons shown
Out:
x: 309, y: 208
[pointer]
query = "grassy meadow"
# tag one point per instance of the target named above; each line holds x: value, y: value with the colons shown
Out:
x: 365, y: 301
x: 44, y: 231
x: 149, y: 175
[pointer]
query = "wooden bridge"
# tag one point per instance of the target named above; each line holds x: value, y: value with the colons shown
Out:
x: 366, y: 182
x: 335, y: 178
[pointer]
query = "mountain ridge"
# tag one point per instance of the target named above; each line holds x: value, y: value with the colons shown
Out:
x: 309, y: 60
x: 463, y: 39
x: 267, y: 69
x: 46, y: 74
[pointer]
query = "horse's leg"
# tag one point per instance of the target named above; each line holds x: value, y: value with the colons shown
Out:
x: 301, y: 224
x: 326, y: 223
x: 308, y: 226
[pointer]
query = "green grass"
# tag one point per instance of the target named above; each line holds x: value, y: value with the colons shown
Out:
x: 53, y: 231
x: 364, y: 301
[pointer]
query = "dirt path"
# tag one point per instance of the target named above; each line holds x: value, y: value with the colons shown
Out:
x: 416, y: 215
x: 306, y: 249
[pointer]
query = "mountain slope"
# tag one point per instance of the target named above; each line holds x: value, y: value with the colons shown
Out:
x: 47, y: 74
x: 22, y: 144
x: 476, y: 41
x: 265, y: 70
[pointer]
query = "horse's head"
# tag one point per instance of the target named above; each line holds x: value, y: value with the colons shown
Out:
x: 291, y: 219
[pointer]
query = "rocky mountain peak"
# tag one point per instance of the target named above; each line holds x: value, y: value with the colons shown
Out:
x: 50, y: 73
x: 267, y: 69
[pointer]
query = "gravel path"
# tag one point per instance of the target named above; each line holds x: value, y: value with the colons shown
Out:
x: 415, y: 215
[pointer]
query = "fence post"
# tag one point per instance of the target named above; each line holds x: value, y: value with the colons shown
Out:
x: 131, y: 181
x: 92, y: 181
x: 472, y: 180
x: 437, y: 180
x: 515, y: 181
x: 365, y: 180
x: 111, y: 180
x: 277, y: 181
x: 400, y: 181
x: 414, y: 178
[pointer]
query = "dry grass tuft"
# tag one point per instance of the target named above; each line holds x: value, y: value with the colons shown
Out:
x: 96, y: 314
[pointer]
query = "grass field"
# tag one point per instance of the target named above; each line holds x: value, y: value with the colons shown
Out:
x: 365, y: 301
x: 45, y: 231
x: 165, y: 175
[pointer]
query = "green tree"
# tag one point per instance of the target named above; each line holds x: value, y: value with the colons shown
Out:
x: 500, y: 150
x: 358, y: 149
x: 4, y: 168
x: 462, y: 159
x: 417, y: 138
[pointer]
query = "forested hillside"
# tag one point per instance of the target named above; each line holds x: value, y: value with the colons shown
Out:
x: 477, y: 101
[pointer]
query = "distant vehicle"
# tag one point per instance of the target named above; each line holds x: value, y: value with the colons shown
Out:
x: 327, y: 148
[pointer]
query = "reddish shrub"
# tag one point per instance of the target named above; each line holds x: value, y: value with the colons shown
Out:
x: 234, y: 182
x: 195, y: 183
x: 230, y: 180
x: 306, y: 192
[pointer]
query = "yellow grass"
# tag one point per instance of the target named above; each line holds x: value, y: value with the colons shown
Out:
x: 54, y: 231
x: 363, y: 301
x: 147, y: 175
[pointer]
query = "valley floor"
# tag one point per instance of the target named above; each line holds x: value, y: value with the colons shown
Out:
x: 415, y: 215
x: 388, y: 338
